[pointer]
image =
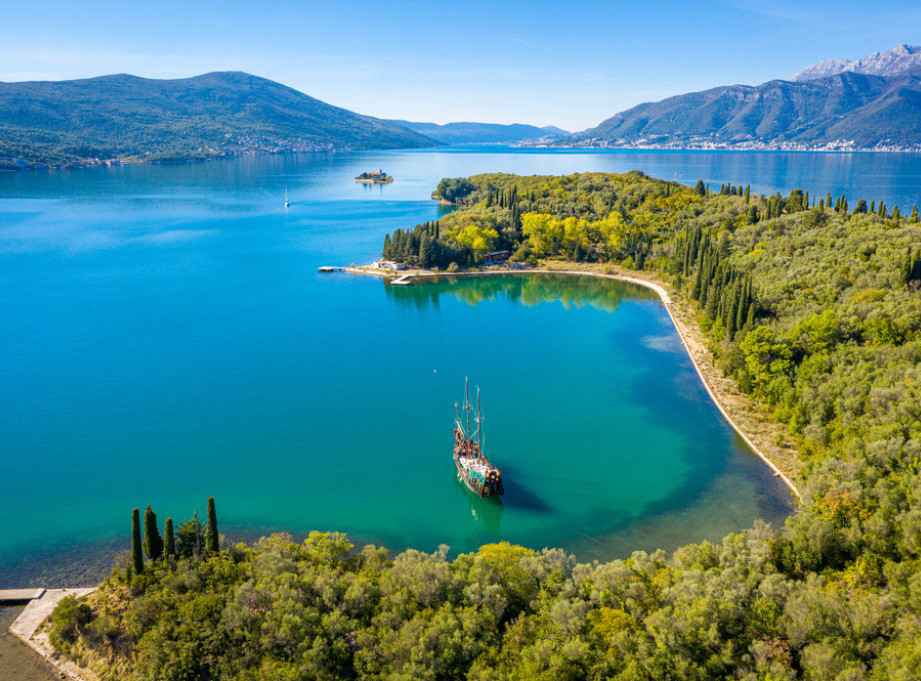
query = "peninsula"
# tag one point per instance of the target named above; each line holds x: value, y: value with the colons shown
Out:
x: 811, y: 311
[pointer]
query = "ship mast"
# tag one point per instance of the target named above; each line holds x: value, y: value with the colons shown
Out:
x: 467, y: 405
x: 479, y: 425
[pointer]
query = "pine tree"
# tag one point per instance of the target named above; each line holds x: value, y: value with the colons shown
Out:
x: 153, y: 542
x: 137, y: 553
x: 425, y: 251
x: 211, y: 536
x: 169, y: 542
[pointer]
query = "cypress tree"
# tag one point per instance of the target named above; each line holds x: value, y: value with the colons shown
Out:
x: 169, y: 543
x: 828, y: 199
x: 211, y: 536
x: 872, y: 207
x: 153, y: 542
x: 747, y: 193
x: 896, y: 216
x: 740, y: 311
x: 137, y: 553
x: 914, y: 213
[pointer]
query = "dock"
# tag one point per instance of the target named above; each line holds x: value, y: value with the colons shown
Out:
x: 332, y: 268
x: 39, y: 607
x: 19, y: 596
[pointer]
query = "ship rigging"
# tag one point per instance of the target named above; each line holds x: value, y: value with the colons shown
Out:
x: 473, y: 468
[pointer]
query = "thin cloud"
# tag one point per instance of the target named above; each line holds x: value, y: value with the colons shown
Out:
x: 529, y: 44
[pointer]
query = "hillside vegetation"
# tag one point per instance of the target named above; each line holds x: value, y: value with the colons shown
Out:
x: 814, y: 310
x: 123, y: 116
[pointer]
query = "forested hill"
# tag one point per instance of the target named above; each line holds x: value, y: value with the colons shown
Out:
x: 123, y: 116
x: 845, y: 110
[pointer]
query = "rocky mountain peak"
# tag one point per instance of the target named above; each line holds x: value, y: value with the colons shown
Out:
x: 898, y: 61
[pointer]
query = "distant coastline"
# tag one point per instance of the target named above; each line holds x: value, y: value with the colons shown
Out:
x: 841, y: 146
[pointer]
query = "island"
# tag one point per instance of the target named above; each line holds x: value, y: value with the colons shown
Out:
x: 379, y: 177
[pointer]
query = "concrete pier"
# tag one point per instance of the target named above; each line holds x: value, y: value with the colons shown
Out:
x: 17, y: 596
x: 36, y: 612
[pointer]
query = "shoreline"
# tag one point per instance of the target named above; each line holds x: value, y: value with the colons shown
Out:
x: 743, y: 415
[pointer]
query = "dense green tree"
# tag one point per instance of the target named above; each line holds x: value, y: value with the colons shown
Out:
x: 137, y: 551
x: 189, y: 538
x: 212, y: 539
x: 169, y: 542
x: 153, y: 542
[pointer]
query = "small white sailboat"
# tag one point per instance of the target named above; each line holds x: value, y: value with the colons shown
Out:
x: 287, y: 202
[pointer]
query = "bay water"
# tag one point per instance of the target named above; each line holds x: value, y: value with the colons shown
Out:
x: 165, y: 336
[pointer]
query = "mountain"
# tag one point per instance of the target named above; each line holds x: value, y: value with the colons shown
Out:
x: 904, y: 59
x: 216, y: 114
x: 482, y: 133
x: 848, y: 110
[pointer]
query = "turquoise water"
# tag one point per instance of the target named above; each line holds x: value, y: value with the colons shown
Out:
x: 165, y: 336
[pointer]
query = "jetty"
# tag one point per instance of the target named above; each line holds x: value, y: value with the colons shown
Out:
x: 19, y: 596
x: 40, y: 603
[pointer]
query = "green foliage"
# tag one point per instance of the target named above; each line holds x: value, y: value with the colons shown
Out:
x: 137, y: 551
x: 67, y: 620
x: 153, y: 542
x: 212, y: 539
x: 190, y: 538
x: 169, y: 543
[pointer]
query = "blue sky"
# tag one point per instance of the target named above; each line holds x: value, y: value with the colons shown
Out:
x: 547, y: 63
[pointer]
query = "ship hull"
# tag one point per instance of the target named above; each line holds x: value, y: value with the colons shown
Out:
x: 482, y: 488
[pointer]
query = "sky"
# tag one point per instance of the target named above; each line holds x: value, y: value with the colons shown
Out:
x: 567, y: 64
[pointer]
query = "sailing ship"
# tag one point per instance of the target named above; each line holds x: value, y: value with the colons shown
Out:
x: 473, y: 468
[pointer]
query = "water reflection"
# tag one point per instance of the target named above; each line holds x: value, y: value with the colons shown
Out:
x: 525, y: 288
x: 486, y: 512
